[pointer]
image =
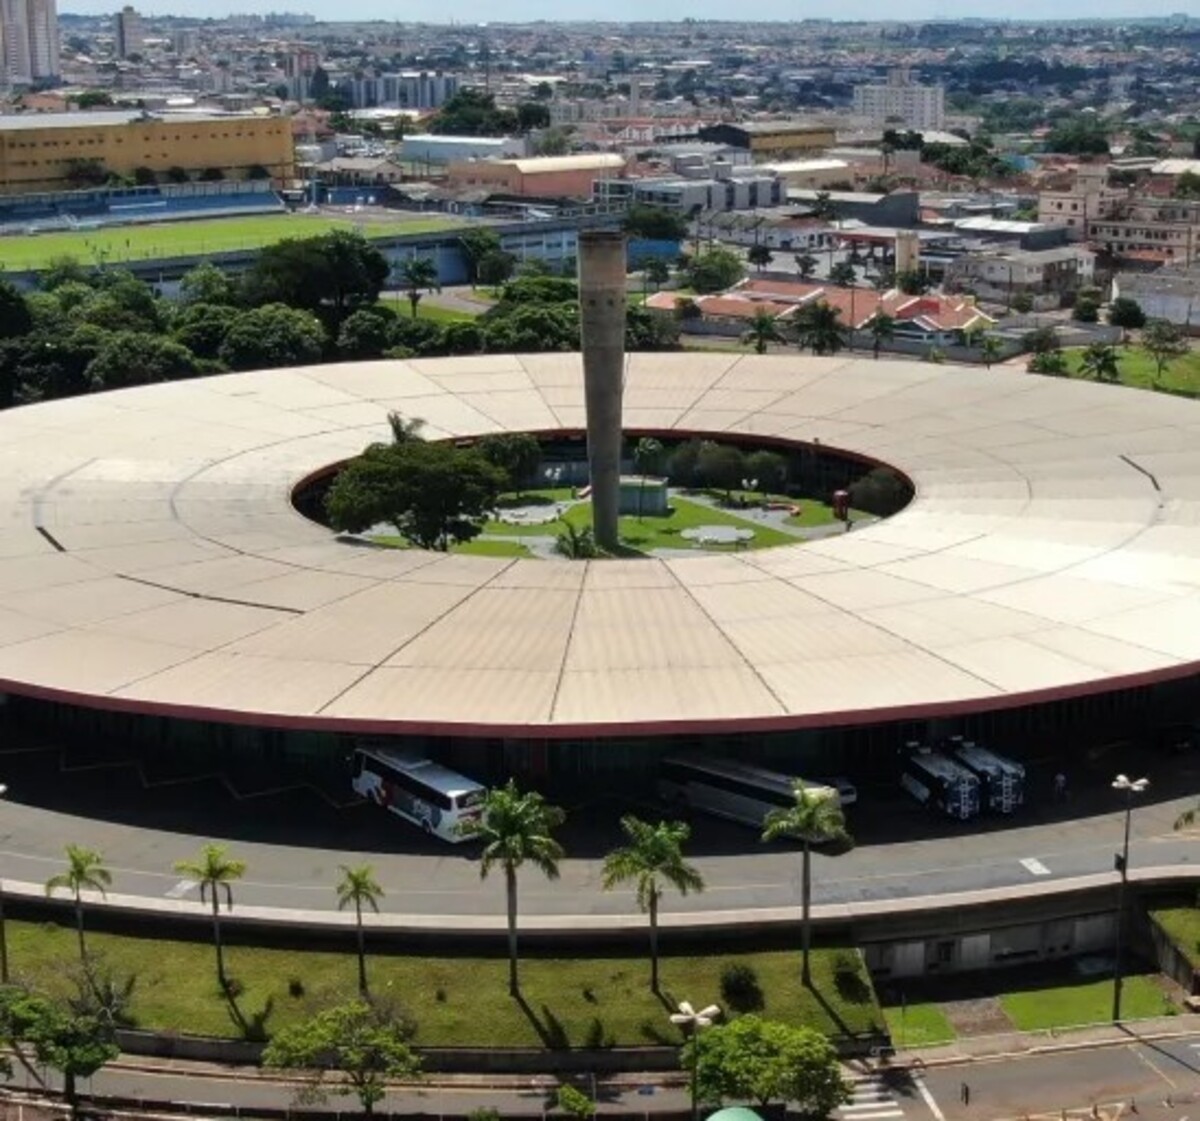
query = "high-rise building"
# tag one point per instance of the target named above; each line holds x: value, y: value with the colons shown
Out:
x: 902, y: 102
x: 28, y: 41
x: 127, y: 26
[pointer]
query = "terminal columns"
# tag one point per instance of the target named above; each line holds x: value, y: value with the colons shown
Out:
x: 602, y: 328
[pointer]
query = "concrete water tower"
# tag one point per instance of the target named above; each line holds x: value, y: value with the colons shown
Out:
x: 908, y: 251
x: 602, y: 330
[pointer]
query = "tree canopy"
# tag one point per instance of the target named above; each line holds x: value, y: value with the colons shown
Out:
x: 274, y: 335
x: 654, y: 223
x: 715, y: 269
x: 473, y: 113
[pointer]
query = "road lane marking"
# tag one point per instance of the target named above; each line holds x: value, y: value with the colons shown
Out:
x: 1035, y: 867
x: 928, y: 1098
x: 180, y: 889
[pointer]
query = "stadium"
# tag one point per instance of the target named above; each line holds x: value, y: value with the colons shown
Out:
x: 160, y: 588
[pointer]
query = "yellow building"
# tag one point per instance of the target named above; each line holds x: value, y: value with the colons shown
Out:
x: 59, y: 151
x: 772, y: 139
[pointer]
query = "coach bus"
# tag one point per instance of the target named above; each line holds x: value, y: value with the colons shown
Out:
x: 725, y: 788
x: 1003, y: 779
x: 419, y: 790
x: 939, y: 782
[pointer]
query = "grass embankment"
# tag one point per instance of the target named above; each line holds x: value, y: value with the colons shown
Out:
x: 455, y: 1001
x: 918, y: 1025
x: 1085, y: 1002
x: 116, y: 244
x: 1182, y: 926
x: 1136, y: 368
x: 654, y: 532
x: 480, y: 547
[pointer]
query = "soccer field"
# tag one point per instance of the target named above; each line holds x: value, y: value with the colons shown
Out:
x: 114, y: 245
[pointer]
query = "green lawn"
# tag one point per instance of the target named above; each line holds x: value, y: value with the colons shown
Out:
x: 480, y: 547
x: 181, y: 239
x: 1085, y: 1002
x: 656, y: 532
x: 454, y: 1000
x: 917, y: 1025
x: 1182, y: 926
x: 1136, y: 368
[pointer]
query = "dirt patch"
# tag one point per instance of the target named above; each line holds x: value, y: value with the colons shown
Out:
x: 978, y: 1016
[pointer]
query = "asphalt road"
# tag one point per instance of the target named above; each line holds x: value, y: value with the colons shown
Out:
x: 294, y: 843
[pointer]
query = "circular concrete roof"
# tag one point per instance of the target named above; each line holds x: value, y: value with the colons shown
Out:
x: 150, y: 558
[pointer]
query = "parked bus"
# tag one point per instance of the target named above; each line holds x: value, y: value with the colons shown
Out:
x: 939, y: 782
x: 418, y: 790
x: 729, y: 789
x: 1003, y: 779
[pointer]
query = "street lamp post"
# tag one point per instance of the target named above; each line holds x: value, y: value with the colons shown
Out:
x: 3, y: 925
x: 690, y: 1022
x: 1129, y: 787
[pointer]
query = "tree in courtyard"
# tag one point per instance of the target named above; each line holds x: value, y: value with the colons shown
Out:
x: 495, y: 268
x: 15, y: 316
x: 912, y: 282
x: 1086, y: 309
x: 1022, y: 303
x: 516, y: 828
x: 418, y: 274
x: 216, y: 872
x: 268, y: 337
x: 763, y: 330
x: 760, y: 256
x: 883, y: 329
x: 433, y: 493
x: 657, y: 272
x: 1100, y: 361
x: 1164, y: 342
x: 358, y: 888
x: 207, y: 284
x: 815, y: 816
x: 654, y: 223
x: 465, y: 337
x: 359, y: 1041
x: 715, y: 270
x: 202, y: 328
x: 763, y: 1061
x: 990, y: 348
x: 767, y: 471
x: 85, y: 871
x: 819, y: 327
x: 806, y: 263
x: 129, y: 358
x: 517, y: 454
x: 721, y: 466
x: 1127, y: 314
x: 842, y: 275
x: 478, y: 243
x: 1052, y: 363
x: 648, y: 459
x: 823, y: 207
x: 366, y: 333
x: 652, y: 858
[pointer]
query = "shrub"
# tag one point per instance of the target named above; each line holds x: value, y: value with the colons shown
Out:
x: 740, y: 989
x: 575, y: 1102
x: 295, y: 987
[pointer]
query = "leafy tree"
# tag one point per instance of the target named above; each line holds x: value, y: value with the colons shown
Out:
x: 207, y: 284
x: 763, y: 1061
x: 122, y: 302
x: 912, y: 282
x: 819, y: 327
x: 1086, y: 310
x: 517, y: 454
x: 1050, y: 362
x: 683, y: 464
x: 418, y: 336
x: 842, y: 275
x: 814, y: 816
x: 536, y: 289
x: 1041, y: 340
x: 657, y: 272
x: 1022, y: 303
x: 760, y: 256
x: 85, y: 871
x: 202, y: 328
x: 575, y: 1103
x: 516, y: 828
x: 473, y: 113
x: 647, y: 458
x: 653, y: 857
x: 531, y: 115
x: 359, y: 888
x: 332, y: 275
x: 61, y: 270
x: 990, y: 348
x: 823, y: 207
x: 361, y: 1042
x: 463, y: 338
x: 1100, y: 361
x: 418, y: 273
x: 477, y: 243
x: 215, y: 872
x: 648, y: 330
x: 539, y: 327
x: 366, y: 334
x: 1127, y: 314
x: 271, y: 336
x: 806, y: 263
x: 432, y: 493
x: 1164, y: 342
x: 722, y: 466
x: 763, y: 330
x: 768, y: 469
x: 654, y: 223
x: 130, y: 358
x: 15, y: 317
x: 496, y: 267
x: 93, y: 99
x: 145, y: 177
x: 47, y: 364
x: 1079, y: 135
x: 1187, y: 186
x: 715, y: 270
x: 882, y: 328
x: 177, y: 174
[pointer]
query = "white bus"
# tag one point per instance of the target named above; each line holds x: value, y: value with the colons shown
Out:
x: 725, y: 788
x: 1003, y: 779
x: 418, y: 789
x: 939, y: 782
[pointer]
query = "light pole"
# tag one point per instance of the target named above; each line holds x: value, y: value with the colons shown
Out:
x: 3, y: 926
x: 691, y: 1021
x: 1129, y: 787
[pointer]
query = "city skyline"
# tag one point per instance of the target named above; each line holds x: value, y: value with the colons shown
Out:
x: 465, y: 11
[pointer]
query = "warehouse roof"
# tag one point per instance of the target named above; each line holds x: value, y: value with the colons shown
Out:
x: 150, y: 558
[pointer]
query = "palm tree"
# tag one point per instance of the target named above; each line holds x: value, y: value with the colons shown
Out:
x: 1100, y: 362
x: 214, y: 871
x: 819, y: 327
x: 654, y: 854
x: 647, y: 458
x: 358, y: 886
x: 516, y: 827
x: 762, y: 331
x: 418, y: 273
x: 883, y: 328
x: 990, y: 348
x: 815, y: 816
x: 85, y: 872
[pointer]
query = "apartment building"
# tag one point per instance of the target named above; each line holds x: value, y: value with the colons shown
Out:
x: 29, y: 43
x: 685, y: 195
x: 1045, y: 275
x: 1088, y: 197
x: 901, y: 102
x: 409, y: 89
x: 127, y: 32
